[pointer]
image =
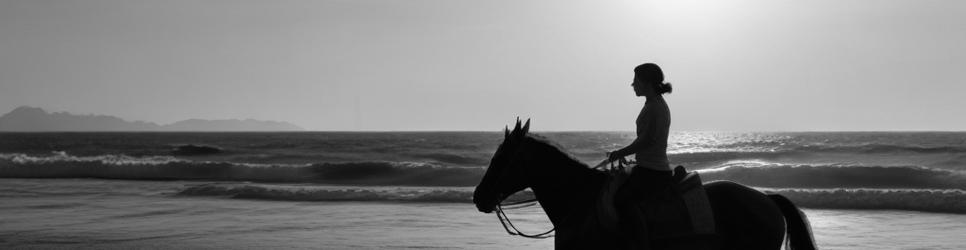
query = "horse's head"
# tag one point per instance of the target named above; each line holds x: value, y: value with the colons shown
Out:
x: 504, y: 176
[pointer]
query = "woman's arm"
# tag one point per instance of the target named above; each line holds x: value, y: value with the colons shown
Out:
x: 634, y: 147
x: 645, y: 138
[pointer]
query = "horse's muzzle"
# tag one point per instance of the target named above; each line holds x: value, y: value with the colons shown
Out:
x: 484, y: 201
x: 485, y: 208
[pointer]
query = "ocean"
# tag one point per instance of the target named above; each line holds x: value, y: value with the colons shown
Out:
x: 365, y: 190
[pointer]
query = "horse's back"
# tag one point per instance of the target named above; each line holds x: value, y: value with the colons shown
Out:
x: 746, y: 218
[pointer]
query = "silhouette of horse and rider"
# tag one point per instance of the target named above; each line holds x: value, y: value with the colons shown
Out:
x: 652, y: 207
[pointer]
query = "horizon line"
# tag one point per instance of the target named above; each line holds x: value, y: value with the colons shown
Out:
x: 477, y: 131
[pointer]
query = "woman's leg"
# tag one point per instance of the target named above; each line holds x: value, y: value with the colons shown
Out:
x: 644, y: 185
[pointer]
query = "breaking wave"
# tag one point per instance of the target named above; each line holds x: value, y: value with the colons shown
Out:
x: 309, y: 193
x: 62, y: 165
x: 837, y: 176
x: 860, y: 151
x: 945, y: 201
x: 875, y: 148
x: 383, y: 173
x: 815, y: 186
x: 338, y: 193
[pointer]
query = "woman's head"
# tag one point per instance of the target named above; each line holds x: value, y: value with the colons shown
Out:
x: 649, y: 79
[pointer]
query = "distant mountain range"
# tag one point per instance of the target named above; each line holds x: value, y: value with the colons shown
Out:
x: 30, y: 119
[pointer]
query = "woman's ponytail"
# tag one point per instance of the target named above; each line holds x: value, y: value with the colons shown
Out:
x: 663, y: 88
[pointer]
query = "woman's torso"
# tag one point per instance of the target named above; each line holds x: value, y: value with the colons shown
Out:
x: 653, y: 124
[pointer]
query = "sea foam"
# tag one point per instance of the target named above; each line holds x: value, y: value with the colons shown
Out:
x: 837, y: 176
x: 62, y: 165
x: 946, y: 201
x: 773, y: 175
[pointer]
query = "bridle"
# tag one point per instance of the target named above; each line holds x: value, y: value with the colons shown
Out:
x: 512, y: 230
x: 508, y: 225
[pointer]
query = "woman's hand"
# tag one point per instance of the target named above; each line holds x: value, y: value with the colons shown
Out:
x: 612, y: 156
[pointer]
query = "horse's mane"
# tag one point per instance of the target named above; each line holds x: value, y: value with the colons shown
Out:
x: 557, y: 148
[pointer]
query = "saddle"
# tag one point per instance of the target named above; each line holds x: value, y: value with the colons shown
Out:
x: 680, y: 214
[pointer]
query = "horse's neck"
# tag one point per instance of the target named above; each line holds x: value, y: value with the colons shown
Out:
x: 563, y: 185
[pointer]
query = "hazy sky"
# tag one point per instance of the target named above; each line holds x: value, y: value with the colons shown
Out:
x: 476, y: 65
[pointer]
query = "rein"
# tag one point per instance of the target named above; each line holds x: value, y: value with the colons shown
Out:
x: 512, y: 230
x: 505, y: 221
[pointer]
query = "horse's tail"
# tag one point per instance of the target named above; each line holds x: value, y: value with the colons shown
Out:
x: 799, y: 236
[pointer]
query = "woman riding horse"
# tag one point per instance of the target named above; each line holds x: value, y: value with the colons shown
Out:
x: 577, y: 201
x: 652, y: 175
x: 574, y: 198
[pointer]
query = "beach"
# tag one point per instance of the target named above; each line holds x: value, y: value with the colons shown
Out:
x: 110, y: 214
x: 413, y: 190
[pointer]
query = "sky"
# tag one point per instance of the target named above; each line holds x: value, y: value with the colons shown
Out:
x: 399, y: 65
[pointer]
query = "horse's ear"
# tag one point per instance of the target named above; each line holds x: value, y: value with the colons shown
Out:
x: 526, y: 127
x: 516, y: 129
x: 506, y: 132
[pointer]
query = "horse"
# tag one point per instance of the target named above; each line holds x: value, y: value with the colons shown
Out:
x: 567, y: 189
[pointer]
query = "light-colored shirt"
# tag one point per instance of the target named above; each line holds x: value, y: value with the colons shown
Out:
x: 652, y: 131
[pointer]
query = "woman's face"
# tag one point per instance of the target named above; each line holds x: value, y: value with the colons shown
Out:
x: 641, y: 88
